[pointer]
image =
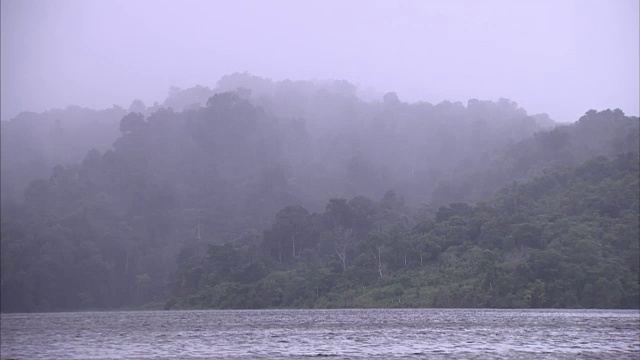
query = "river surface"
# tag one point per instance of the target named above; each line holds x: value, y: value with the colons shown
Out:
x: 338, y: 334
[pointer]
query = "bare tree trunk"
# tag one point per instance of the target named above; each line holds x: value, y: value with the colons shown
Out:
x: 293, y: 245
x: 380, y: 261
x: 342, y: 255
x: 342, y: 243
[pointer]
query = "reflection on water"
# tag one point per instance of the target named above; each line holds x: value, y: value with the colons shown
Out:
x: 341, y: 334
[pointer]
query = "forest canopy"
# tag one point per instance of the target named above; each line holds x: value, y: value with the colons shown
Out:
x: 265, y: 194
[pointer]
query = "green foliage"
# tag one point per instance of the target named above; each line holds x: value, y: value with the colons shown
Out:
x: 166, y: 215
x: 555, y: 254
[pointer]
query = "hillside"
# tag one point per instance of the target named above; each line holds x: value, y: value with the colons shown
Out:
x: 568, y: 239
x: 301, y: 194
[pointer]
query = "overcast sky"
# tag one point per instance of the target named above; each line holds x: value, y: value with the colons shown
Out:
x: 559, y: 57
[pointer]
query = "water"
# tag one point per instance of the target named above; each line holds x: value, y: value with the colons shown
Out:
x: 339, y: 334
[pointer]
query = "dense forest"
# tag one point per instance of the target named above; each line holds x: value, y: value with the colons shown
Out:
x: 301, y: 194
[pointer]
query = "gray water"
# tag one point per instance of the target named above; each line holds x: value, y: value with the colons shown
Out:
x: 339, y: 334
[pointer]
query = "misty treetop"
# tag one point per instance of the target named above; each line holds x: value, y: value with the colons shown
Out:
x: 237, y: 197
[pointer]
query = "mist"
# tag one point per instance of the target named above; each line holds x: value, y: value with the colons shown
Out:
x: 556, y: 57
x: 347, y: 157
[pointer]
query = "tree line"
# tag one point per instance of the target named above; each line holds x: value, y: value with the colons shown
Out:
x: 568, y: 239
x: 303, y: 195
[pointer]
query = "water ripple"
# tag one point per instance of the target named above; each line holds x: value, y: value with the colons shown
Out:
x: 339, y: 334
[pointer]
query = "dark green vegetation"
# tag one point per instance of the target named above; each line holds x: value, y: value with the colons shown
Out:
x: 299, y: 194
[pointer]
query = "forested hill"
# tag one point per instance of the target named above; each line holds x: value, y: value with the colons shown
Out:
x: 568, y: 239
x: 32, y: 144
x: 237, y: 197
x: 328, y: 140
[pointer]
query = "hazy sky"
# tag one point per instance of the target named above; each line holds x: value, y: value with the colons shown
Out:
x: 559, y: 57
